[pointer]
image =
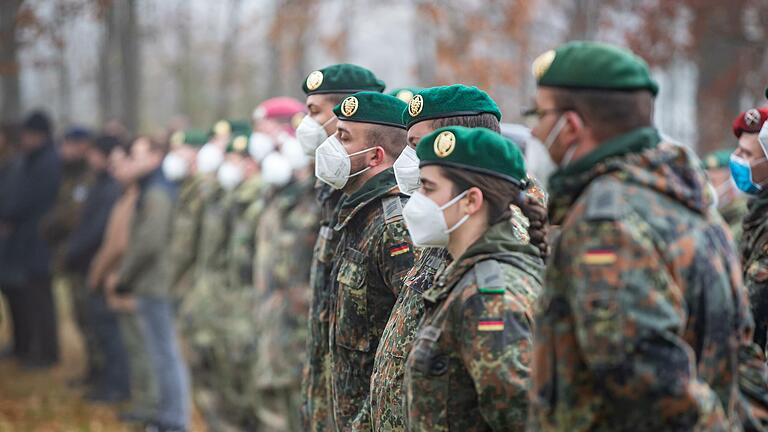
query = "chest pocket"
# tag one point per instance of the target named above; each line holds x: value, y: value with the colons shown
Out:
x: 427, y: 382
x: 352, y: 326
x: 325, y: 245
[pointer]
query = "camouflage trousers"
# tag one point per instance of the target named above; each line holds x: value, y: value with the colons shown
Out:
x: 279, y: 410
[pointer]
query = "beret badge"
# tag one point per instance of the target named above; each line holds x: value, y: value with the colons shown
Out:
x: 415, y: 105
x: 752, y: 117
x: 314, y: 80
x: 542, y: 63
x: 349, y: 106
x: 444, y: 144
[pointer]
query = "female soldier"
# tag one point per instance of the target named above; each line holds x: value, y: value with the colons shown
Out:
x: 468, y: 368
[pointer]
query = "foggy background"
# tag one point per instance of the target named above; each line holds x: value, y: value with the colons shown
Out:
x: 151, y: 63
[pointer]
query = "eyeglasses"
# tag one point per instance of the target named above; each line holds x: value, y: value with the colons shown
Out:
x: 534, y: 115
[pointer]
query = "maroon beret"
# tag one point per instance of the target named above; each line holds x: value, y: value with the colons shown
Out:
x: 750, y: 121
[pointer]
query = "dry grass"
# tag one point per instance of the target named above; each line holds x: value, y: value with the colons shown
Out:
x: 42, y: 401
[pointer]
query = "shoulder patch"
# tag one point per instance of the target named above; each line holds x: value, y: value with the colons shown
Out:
x: 489, y: 277
x: 393, y: 208
x: 605, y: 201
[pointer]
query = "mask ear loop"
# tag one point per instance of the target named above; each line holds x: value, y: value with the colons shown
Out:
x: 453, y: 201
x: 359, y: 153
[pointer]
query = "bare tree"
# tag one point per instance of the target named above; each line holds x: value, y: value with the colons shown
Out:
x: 228, y: 59
x: 10, y: 105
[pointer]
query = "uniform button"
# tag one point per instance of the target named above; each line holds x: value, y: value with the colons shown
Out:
x: 439, y: 365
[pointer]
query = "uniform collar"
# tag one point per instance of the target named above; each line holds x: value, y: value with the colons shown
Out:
x: 380, y: 185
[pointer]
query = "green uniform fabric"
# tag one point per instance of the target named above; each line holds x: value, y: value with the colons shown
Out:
x: 754, y: 258
x: 372, y: 258
x: 593, y: 65
x: 643, y: 312
x: 387, y: 400
x: 733, y: 213
x: 185, y: 235
x: 201, y: 310
x: 316, y: 385
x: 286, y: 233
x: 469, y: 365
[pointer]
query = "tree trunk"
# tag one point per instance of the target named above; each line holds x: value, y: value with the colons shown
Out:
x: 184, y: 65
x: 228, y: 59
x: 131, y: 66
x: 10, y: 98
x: 106, y: 56
x: 719, y: 84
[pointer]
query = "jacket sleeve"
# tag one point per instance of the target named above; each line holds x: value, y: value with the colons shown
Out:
x: 89, y: 233
x: 494, y: 337
x: 627, y: 311
x: 35, y: 189
x: 395, y: 255
x: 149, y: 236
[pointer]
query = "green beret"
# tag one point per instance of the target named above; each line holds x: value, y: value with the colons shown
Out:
x: 190, y: 137
x: 371, y: 107
x: 474, y: 149
x: 717, y: 159
x: 593, y: 65
x: 448, y: 101
x: 238, y: 144
x: 405, y: 94
x: 342, y: 78
x: 231, y: 127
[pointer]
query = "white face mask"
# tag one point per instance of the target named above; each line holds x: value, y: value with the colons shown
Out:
x: 260, y: 145
x: 762, y: 137
x: 311, y: 134
x: 276, y: 169
x: 293, y: 151
x: 426, y: 221
x: 209, y: 158
x: 333, y: 164
x: 175, y: 168
x: 407, y: 171
x: 230, y: 175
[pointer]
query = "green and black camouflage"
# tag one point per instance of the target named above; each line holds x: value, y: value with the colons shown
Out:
x: 469, y: 366
x: 185, y: 235
x: 286, y: 234
x: 643, y: 324
x: 316, y: 385
x: 372, y: 258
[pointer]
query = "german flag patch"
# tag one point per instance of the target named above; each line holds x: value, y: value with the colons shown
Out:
x: 399, y: 249
x: 600, y: 257
x: 490, y: 325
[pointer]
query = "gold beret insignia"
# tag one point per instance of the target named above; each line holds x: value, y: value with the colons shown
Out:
x: 222, y: 128
x: 314, y: 80
x: 177, y: 139
x: 349, y: 106
x: 240, y: 143
x: 415, y: 105
x: 444, y: 144
x: 542, y: 63
x: 405, y: 95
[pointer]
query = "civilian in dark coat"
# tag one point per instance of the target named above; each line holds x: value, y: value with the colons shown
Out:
x: 24, y: 256
x: 107, y: 372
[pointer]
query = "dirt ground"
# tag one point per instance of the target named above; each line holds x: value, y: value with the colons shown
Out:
x: 42, y: 401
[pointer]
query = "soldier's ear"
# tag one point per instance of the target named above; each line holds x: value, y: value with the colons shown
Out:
x: 378, y: 158
x: 473, y: 201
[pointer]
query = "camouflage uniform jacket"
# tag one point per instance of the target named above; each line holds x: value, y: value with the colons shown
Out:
x: 247, y: 207
x: 373, y: 256
x: 316, y: 386
x: 286, y: 233
x: 387, y: 401
x: 754, y: 255
x: 733, y: 213
x: 185, y: 235
x: 469, y: 366
x: 643, y: 313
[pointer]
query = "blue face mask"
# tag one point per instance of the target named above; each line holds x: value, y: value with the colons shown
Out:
x: 742, y: 175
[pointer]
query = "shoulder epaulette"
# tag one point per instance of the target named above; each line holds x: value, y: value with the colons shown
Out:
x: 490, y: 279
x: 605, y: 201
x: 393, y: 208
